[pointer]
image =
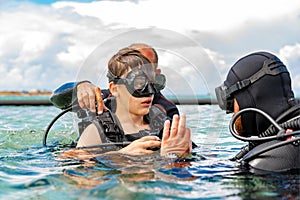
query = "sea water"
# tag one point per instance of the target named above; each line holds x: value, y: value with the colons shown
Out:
x: 28, y: 170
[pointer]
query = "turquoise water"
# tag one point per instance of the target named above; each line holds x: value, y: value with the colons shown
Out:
x: 30, y: 171
x: 29, y: 97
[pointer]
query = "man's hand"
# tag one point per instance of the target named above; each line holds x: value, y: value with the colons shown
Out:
x: 87, y: 94
x: 176, y: 140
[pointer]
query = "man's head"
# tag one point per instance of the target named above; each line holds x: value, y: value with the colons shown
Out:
x: 149, y: 52
x: 259, y: 80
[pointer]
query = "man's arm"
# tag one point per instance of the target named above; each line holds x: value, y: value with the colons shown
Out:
x: 81, y: 93
x: 168, y: 106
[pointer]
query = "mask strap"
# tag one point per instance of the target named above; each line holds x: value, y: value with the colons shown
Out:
x: 114, y: 78
x: 270, y: 67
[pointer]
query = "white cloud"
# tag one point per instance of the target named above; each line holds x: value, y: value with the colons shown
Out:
x: 296, y: 84
x: 11, y: 77
x: 217, y: 59
x: 204, y: 15
x: 59, y: 38
x: 39, y: 35
x: 290, y: 55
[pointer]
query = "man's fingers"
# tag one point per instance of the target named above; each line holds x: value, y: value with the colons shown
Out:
x: 80, y: 101
x: 99, y: 100
x: 86, y: 97
x: 90, y: 101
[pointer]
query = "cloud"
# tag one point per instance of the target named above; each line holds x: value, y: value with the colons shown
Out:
x: 188, y: 68
x: 213, y: 15
x: 39, y: 35
x: 290, y: 55
x: 296, y: 81
x: 46, y: 45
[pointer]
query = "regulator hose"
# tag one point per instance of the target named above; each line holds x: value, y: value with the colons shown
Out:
x: 280, y: 134
x: 292, y: 124
x: 274, y: 132
x: 52, y: 122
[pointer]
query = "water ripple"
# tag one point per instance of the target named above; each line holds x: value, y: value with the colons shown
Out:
x: 30, y: 171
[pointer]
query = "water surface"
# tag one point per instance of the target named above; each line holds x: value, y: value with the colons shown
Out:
x: 30, y: 171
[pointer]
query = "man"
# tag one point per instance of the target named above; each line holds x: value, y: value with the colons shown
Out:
x: 260, y: 80
x: 86, y: 90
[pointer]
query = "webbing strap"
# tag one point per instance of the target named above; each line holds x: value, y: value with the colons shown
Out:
x: 270, y: 67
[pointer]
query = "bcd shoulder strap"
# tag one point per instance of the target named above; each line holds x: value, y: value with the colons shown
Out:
x: 157, y: 118
x: 109, y: 127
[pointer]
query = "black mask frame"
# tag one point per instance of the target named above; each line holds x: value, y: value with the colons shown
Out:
x: 224, y: 93
x: 137, y: 83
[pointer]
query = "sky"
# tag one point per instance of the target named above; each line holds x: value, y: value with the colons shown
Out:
x: 45, y: 43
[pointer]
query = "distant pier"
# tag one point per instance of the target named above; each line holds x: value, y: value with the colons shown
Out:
x: 26, y: 102
x: 46, y: 102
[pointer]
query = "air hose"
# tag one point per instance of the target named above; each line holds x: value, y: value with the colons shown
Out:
x: 52, y: 122
x: 292, y: 124
x: 280, y: 130
x: 275, y: 132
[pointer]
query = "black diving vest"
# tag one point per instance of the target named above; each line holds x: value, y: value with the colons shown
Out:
x: 277, y: 155
x: 110, y: 129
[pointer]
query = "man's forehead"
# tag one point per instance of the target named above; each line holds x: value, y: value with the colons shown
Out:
x: 148, y: 53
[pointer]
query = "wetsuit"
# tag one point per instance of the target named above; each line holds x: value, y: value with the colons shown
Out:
x: 260, y: 84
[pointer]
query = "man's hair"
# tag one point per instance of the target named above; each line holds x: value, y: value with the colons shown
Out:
x: 142, y: 46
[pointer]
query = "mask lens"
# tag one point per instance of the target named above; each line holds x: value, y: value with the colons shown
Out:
x: 229, y: 106
x: 160, y: 82
x: 139, y: 82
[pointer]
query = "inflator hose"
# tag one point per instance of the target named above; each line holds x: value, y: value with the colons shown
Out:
x: 280, y: 133
x: 52, y: 122
x: 274, y: 132
x: 293, y: 124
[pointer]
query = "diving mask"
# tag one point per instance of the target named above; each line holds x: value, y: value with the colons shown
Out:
x: 137, y: 82
x: 225, y: 94
x: 224, y: 98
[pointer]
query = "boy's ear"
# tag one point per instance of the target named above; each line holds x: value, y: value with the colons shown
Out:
x: 113, y: 89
